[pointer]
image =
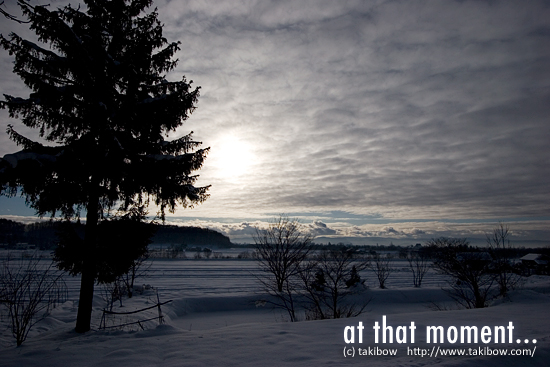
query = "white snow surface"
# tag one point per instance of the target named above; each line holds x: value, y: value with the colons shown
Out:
x: 215, y: 319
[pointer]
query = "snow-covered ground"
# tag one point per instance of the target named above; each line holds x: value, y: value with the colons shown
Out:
x: 213, y: 319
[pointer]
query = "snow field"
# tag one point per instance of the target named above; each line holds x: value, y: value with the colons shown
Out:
x: 214, y: 320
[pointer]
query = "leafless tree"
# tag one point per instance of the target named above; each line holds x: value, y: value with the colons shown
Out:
x: 281, y: 250
x: 330, y: 281
x: 419, y: 264
x: 114, y: 291
x: 138, y: 269
x: 380, y: 265
x: 501, y: 251
x: 469, y: 270
x: 29, y: 289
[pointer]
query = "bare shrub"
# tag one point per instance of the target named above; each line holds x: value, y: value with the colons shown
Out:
x: 330, y: 281
x: 124, y: 285
x: 280, y: 251
x: 29, y: 289
x: 501, y: 252
x: 419, y: 265
x: 138, y: 269
x: 114, y: 291
x: 470, y: 278
x: 380, y: 265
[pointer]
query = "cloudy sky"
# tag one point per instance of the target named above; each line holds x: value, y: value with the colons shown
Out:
x: 370, y: 121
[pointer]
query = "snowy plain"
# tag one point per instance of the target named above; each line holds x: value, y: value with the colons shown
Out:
x: 214, y: 319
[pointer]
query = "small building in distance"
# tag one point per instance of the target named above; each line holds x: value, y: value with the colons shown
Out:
x: 535, y: 263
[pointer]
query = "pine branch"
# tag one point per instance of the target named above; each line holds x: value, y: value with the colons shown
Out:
x: 10, y: 16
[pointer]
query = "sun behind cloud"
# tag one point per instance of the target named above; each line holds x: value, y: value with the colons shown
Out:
x: 231, y: 158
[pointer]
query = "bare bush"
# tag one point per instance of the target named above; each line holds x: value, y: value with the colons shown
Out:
x: 138, y: 269
x: 330, y: 281
x: 470, y: 278
x: 501, y: 252
x: 419, y: 265
x: 29, y: 289
x: 380, y: 265
x: 124, y: 285
x: 114, y: 291
x: 280, y: 251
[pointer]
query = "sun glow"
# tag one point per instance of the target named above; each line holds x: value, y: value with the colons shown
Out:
x: 232, y: 158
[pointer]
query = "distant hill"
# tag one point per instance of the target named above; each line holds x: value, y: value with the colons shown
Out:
x: 41, y: 234
x: 190, y: 236
x: 44, y: 235
x: 11, y: 232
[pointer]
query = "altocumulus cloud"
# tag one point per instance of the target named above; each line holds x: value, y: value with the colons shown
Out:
x: 408, y: 109
x: 412, y: 111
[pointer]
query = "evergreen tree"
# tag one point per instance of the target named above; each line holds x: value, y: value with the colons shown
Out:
x: 102, y: 106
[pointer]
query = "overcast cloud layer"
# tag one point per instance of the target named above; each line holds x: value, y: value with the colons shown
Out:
x: 391, y: 119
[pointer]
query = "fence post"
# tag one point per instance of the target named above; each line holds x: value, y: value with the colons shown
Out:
x: 161, y: 319
x: 103, y: 323
x: 102, y: 320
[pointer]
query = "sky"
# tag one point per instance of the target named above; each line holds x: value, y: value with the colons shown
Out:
x: 367, y: 121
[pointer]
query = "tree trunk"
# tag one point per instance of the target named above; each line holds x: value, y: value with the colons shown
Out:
x: 87, y: 282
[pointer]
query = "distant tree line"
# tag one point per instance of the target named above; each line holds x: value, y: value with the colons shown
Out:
x: 45, y: 235
x: 190, y: 236
x: 41, y: 234
x: 402, y: 251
